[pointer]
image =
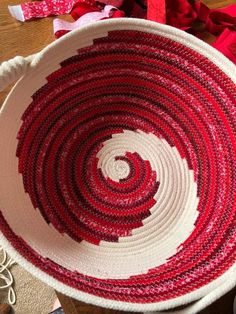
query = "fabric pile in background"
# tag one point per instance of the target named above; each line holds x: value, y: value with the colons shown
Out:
x: 183, y: 14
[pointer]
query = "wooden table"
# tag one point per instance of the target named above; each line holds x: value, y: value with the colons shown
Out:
x: 23, y: 39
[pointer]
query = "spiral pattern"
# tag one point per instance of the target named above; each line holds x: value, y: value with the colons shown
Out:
x: 98, y: 177
x: 131, y: 153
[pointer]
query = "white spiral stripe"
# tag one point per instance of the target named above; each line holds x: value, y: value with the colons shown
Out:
x: 172, y: 217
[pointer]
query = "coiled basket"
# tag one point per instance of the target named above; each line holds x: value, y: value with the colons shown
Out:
x: 117, y: 167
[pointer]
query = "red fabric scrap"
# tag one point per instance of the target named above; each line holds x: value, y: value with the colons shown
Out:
x: 226, y: 44
x: 216, y: 20
x: 180, y: 14
x: 81, y: 8
x: 157, y: 11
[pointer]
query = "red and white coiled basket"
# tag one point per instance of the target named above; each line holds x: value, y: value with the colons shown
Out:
x: 118, y: 167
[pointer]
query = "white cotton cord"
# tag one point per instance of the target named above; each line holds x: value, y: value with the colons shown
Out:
x: 6, y: 276
x: 13, y: 69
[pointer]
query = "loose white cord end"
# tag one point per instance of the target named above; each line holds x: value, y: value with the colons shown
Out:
x: 6, y: 276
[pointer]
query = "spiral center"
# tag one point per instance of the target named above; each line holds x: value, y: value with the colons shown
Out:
x: 120, y: 170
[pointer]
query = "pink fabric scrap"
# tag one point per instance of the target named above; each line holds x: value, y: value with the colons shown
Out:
x: 39, y: 9
x: 61, y: 27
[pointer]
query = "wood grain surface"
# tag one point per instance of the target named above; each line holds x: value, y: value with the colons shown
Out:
x: 23, y: 39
